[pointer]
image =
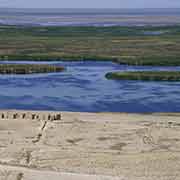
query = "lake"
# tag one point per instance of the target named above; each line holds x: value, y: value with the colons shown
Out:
x: 83, y: 87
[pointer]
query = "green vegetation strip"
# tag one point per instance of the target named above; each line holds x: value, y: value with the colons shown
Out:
x: 127, y: 45
x: 28, y: 68
x: 145, y: 75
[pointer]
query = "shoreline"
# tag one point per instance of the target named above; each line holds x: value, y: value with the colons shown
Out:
x: 87, y: 112
x: 89, y: 146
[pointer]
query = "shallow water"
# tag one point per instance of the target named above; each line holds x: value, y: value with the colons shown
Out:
x: 83, y: 87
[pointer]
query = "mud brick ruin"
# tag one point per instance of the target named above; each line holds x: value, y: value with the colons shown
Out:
x: 30, y: 115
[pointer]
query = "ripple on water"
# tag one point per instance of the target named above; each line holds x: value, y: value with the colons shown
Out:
x: 83, y: 87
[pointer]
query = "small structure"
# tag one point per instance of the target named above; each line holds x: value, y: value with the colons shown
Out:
x: 58, y: 117
x: 33, y: 116
x: 2, y: 116
x: 55, y: 117
x: 15, y: 116
x: 49, y: 117
x: 23, y: 116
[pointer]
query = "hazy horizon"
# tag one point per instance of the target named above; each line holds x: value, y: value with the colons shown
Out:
x: 90, y: 4
x: 4, y: 7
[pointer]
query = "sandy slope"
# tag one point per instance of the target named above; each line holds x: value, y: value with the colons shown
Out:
x: 109, y: 145
x: 20, y: 173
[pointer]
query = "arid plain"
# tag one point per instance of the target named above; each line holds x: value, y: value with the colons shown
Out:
x: 89, y: 146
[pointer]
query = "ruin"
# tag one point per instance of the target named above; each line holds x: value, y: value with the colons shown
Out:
x: 31, y: 116
x: 23, y: 116
x: 15, y: 116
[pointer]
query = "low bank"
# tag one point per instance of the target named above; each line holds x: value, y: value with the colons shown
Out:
x: 29, y: 68
x: 145, y: 75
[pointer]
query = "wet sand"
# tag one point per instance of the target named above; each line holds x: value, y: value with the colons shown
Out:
x: 89, y: 146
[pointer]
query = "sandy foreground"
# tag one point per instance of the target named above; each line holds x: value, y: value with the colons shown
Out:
x: 89, y: 146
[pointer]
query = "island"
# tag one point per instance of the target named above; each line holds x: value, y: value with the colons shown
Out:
x: 145, y: 75
x: 29, y: 68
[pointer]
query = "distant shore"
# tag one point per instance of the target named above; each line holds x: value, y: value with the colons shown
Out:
x: 90, y: 17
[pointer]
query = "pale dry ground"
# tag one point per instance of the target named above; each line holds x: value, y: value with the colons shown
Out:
x: 107, y: 146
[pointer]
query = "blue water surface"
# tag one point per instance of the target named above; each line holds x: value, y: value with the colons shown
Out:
x: 83, y: 87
